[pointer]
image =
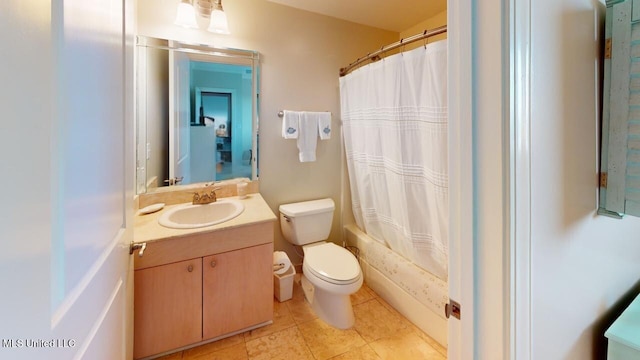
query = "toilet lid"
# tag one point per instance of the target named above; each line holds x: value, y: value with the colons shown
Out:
x: 332, y: 263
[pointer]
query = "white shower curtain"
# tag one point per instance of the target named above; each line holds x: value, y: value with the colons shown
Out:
x: 394, y: 115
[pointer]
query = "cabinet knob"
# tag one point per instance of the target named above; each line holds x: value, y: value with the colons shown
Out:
x: 190, y: 268
x: 213, y: 263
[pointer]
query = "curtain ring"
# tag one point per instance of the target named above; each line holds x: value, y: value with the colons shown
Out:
x: 426, y: 39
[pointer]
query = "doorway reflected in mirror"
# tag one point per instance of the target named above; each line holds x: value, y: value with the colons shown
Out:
x: 197, y: 114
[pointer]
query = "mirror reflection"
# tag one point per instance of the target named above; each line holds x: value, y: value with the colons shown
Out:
x: 196, y: 114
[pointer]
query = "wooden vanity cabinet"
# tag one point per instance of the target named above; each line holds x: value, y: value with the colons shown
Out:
x: 202, y: 287
x: 237, y: 290
x: 168, y: 307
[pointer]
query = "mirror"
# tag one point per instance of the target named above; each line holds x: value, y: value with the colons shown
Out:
x: 197, y: 114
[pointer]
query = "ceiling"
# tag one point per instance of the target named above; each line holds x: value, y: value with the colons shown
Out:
x: 394, y: 15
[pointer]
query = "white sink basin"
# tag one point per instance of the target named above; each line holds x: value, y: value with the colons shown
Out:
x: 194, y: 216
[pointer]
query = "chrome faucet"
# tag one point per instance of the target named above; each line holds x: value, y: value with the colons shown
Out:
x: 205, y: 198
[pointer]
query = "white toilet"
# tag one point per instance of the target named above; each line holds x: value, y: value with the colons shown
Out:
x: 330, y: 273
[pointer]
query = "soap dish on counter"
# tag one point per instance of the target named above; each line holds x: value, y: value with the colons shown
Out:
x: 151, y: 209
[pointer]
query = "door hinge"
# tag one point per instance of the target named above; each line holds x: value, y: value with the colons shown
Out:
x: 607, y: 48
x: 452, y: 308
x: 603, y: 180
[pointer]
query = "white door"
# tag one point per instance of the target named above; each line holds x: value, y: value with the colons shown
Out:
x: 66, y: 220
x: 179, y: 117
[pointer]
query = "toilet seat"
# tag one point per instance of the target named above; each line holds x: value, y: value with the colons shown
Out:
x: 332, y: 263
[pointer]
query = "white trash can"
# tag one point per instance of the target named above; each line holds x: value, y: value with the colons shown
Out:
x: 283, y: 284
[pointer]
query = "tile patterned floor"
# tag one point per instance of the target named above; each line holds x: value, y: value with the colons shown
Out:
x: 380, y: 332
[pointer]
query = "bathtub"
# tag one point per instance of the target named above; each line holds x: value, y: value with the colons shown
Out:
x: 414, y: 292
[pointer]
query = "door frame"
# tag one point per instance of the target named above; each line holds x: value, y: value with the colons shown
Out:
x: 233, y: 109
x: 222, y: 91
x: 460, y: 100
x: 490, y: 237
x: 519, y: 260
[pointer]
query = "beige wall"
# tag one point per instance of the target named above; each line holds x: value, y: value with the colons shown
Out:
x: 585, y: 267
x: 431, y: 23
x: 301, y: 55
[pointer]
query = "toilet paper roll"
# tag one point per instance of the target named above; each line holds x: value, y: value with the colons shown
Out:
x: 281, y: 262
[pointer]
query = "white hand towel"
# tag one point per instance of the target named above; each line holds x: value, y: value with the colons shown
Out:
x: 324, y: 125
x: 308, y: 137
x: 290, y: 124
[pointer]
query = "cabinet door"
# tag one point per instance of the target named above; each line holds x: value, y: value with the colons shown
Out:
x: 237, y: 290
x: 168, y: 307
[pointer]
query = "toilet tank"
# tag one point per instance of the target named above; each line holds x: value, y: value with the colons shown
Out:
x: 306, y: 222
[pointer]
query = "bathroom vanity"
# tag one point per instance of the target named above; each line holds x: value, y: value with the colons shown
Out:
x: 624, y: 334
x: 194, y: 286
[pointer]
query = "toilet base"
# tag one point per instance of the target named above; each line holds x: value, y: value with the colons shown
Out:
x: 334, y: 309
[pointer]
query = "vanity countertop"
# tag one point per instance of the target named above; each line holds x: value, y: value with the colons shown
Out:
x: 624, y: 334
x: 256, y: 210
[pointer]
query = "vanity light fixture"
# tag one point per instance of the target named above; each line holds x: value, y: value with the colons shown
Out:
x: 218, y: 24
x: 211, y: 9
x: 186, y: 15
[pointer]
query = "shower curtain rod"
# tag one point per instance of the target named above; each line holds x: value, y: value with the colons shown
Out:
x: 374, y: 56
